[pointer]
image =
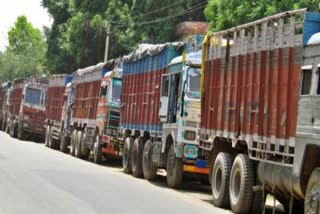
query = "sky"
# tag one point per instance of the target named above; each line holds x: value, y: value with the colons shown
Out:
x: 11, y: 9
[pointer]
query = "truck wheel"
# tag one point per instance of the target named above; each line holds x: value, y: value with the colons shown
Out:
x: 136, y: 164
x: 97, y: 151
x: 78, y: 145
x: 64, y: 143
x: 52, y: 141
x: 312, y: 199
x: 241, y: 182
x: 126, y: 156
x: 174, y: 169
x: 148, y: 168
x: 85, y: 151
x: 46, y: 142
x: 12, y: 131
x: 20, y: 132
x: 73, y: 142
x: 220, y: 179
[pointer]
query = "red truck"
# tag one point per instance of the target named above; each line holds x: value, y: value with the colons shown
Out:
x: 14, y: 99
x: 3, y: 100
x: 94, y: 116
x: 260, y: 116
x: 58, y: 87
x: 32, y: 114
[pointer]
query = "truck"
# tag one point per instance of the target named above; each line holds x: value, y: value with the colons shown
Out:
x: 260, y: 113
x: 160, y: 112
x: 56, y: 105
x: 13, y: 104
x: 94, y: 117
x: 3, y: 99
x: 31, y: 119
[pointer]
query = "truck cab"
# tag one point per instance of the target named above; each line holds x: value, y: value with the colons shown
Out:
x: 180, y: 108
x: 3, y: 99
x: 108, y: 115
x: 33, y: 109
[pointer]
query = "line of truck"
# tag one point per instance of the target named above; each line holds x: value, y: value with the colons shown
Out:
x: 239, y: 108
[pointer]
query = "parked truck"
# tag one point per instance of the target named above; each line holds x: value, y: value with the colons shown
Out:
x: 94, y: 117
x: 3, y: 99
x: 32, y: 114
x: 160, y: 113
x: 57, y: 111
x: 260, y: 117
x: 13, y: 104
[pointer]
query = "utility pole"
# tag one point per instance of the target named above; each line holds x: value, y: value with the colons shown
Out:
x: 107, y: 44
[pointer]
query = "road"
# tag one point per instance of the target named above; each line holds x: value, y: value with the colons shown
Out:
x: 35, y: 179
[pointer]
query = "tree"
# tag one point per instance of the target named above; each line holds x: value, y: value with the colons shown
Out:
x: 25, y: 55
x: 226, y: 14
x: 77, y: 36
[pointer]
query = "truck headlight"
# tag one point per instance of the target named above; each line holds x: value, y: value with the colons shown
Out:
x: 190, y: 135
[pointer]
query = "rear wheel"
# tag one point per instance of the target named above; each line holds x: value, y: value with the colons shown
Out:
x: 73, y: 142
x: 241, y: 183
x: 78, y: 145
x: 148, y: 168
x: 64, y: 143
x: 126, y: 156
x: 136, y: 164
x: 97, y: 151
x: 84, y: 149
x: 220, y: 179
x: 174, y: 169
x: 312, y: 200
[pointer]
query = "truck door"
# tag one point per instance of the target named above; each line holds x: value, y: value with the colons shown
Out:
x: 164, y: 97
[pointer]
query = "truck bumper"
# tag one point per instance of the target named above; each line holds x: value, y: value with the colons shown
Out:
x: 200, y: 167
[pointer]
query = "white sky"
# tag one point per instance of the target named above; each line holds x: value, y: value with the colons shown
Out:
x: 11, y: 9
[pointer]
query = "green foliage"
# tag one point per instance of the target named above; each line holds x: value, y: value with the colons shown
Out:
x: 77, y: 37
x: 225, y: 14
x: 25, y: 55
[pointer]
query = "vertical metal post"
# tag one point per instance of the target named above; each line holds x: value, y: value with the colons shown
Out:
x: 107, y: 44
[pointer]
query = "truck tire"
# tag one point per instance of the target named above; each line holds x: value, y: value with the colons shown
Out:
x: 20, y: 132
x: 52, y: 141
x: 73, y: 142
x: 174, y: 169
x: 126, y: 156
x: 13, y: 131
x: 241, y: 183
x: 312, y: 199
x: 220, y: 180
x: 85, y: 151
x: 77, y: 151
x: 137, y: 152
x: 148, y: 168
x: 97, y: 151
x: 46, y: 141
x: 64, y: 143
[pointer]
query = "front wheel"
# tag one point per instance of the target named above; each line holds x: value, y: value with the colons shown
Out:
x: 97, y: 151
x: 174, y: 169
x: 148, y: 168
x: 46, y: 142
x: 73, y: 142
x: 20, y: 132
x: 312, y: 199
x: 126, y: 156
x: 241, y: 183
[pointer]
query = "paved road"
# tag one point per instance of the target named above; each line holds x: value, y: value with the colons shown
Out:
x: 35, y: 179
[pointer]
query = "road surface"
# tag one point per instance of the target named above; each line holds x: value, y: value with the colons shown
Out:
x: 35, y: 179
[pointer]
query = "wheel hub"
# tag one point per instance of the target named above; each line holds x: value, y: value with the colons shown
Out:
x: 313, y: 200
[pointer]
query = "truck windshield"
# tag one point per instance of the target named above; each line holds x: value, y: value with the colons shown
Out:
x: 116, y: 90
x: 33, y: 96
x: 193, y: 83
